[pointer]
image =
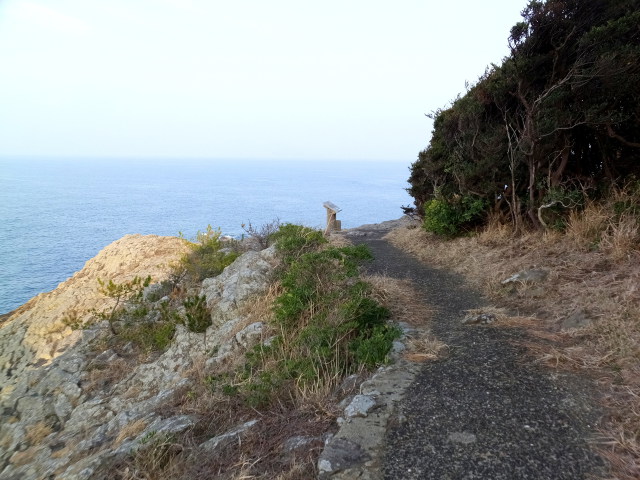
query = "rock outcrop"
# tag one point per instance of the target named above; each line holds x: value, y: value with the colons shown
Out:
x: 66, y: 409
x: 35, y: 333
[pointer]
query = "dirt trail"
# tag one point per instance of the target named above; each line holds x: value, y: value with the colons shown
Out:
x: 484, y: 410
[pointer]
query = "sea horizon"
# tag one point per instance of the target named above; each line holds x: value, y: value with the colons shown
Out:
x: 59, y: 212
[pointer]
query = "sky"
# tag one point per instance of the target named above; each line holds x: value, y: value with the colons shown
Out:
x: 288, y: 79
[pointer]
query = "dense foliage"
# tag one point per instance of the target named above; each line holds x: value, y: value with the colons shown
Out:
x: 328, y: 324
x: 557, y: 120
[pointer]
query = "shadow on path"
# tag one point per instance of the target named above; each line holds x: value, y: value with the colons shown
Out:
x: 485, y: 410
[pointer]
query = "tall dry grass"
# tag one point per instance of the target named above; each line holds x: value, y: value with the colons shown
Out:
x: 401, y: 298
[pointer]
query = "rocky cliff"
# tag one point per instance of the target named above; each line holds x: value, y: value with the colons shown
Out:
x: 66, y: 408
x: 35, y: 333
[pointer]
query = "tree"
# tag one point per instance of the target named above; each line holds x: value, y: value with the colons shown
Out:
x: 561, y: 113
x: 121, y: 292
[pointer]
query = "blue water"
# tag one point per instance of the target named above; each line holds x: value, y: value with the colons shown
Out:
x: 55, y: 214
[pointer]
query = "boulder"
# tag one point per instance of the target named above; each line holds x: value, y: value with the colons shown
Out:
x: 241, y: 281
x: 250, y: 335
x: 535, y: 275
x: 340, y: 454
x: 227, y: 438
x: 481, y: 318
x: 360, y: 406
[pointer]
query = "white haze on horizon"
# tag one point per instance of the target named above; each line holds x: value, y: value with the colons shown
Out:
x: 244, y: 79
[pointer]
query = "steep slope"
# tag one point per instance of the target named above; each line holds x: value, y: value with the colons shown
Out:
x: 35, y: 334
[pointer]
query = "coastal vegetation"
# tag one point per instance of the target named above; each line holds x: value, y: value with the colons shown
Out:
x: 537, y: 165
x: 318, y: 323
x: 147, y: 317
x: 325, y: 321
x: 550, y: 129
x: 207, y: 257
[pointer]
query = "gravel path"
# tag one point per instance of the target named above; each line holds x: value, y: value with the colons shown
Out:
x: 485, y: 410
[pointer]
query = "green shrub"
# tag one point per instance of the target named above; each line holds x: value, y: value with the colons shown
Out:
x: 450, y: 216
x: 329, y: 324
x: 207, y: 258
x: 370, y: 348
x: 198, y: 317
x: 294, y: 240
x: 133, y: 319
x: 126, y: 292
x: 148, y: 335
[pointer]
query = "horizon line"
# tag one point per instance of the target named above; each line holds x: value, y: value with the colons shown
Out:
x: 202, y: 158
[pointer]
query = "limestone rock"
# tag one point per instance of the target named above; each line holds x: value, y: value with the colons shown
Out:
x: 360, y: 406
x: 158, y: 429
x: 58, y: 421
x: 340, y: 454
x: 35, y: 333
x: 238, y: 283
x: 535, y: 275
x: 299, y: 441
x: 250, y: 335
x: 226, y: 438
x: 481, y: 318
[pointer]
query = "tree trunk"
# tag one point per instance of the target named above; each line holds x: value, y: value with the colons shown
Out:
x: 531, y: 211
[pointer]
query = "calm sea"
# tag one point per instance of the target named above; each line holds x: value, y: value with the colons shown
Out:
x: 55, y: 214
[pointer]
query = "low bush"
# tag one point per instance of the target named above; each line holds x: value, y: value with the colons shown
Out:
x: 197, y: 315
x: 207, y: 258
x: 149, y: 336
x: 130, y: 292
x: 262, y: 235
x: 452, y: 216
x: 328, y: 324
x: 294, y: 240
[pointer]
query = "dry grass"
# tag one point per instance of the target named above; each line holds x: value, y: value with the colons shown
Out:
x: 35, y: 433
x: 131, y: 429
x: 339, y: 240
x: 621, y: 239
x: 400, y: 297
x: 259, y: 310
x: 103, y: 377
x: 424, y: 348
x: 584, y: 228
x: 496, y: 232
x: 25, y: 457
x: 594, y: 272
x: 257, y: 454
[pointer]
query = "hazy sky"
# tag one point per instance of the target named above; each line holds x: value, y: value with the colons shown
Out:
x: 238, y: 78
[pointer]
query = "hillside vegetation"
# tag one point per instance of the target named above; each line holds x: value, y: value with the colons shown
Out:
x: 234, y: 363
x: 536, y: 167
x: 555, y: 124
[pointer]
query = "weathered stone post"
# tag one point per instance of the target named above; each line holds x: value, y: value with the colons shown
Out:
x: 333, y: 224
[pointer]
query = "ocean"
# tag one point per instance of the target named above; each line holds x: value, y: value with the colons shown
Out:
x: 55, y: 214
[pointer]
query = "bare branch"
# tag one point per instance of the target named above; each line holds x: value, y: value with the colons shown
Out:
x: 613, y: 134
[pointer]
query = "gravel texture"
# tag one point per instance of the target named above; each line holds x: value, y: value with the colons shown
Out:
x: 485, y: 410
